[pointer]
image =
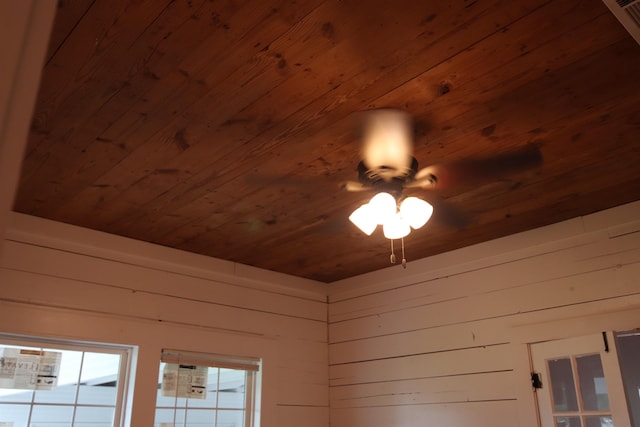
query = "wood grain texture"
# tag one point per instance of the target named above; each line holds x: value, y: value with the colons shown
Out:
x: 226, y: 128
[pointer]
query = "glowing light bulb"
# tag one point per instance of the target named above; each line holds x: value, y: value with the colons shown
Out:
x: 384, y: 206
x: 396, y: 227
x: 364, y: 218
x: 416, y: 212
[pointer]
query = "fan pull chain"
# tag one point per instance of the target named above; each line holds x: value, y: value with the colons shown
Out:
x: 392, y: 258
x: 404, y: 260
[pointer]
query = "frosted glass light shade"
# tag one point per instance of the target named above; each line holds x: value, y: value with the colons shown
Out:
x: 396, y: 227
x: 388, y: 140
x: 416, y: 212
x: 365, y: 219
x: 384, y: 206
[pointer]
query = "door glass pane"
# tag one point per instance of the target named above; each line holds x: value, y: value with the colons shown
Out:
x: 592, y: 384
x: 628, y: 350
x: 568, y: 422
x: 599, y: 421
x: 562, y: 385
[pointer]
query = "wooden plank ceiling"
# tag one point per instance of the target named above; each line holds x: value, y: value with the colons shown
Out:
x: 225, y: 128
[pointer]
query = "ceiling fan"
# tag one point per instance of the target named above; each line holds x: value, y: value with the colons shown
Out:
x: 388, y: 168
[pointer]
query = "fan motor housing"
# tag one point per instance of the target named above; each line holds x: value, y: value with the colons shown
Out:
x: 384, y: 178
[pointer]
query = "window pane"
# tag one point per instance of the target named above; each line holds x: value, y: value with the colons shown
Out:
x: 201, y: 417
x: 15, y: 395
x: 7, y: 376
x: 211, y: 400
x: 232, y: 383
x: 164, y: 417
x: 65, y: 390
x: 99, y: 379
x: 94, y: 416
x: 599, y: 421
x: 562, y: 385
x: 568, y: 422
x: 181, y: 416
x: 18, y: 414
x: 230, y: 419
x: 592, y: 384
x: 51, y: 415
x: 167, y: 398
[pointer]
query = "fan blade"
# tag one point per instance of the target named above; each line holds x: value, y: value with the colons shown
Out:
x: 425, y: 181
x: 474, y: 171
x: 446, y: 214
x: 355, y: 186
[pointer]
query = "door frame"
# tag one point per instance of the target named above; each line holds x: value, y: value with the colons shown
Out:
x: 593, y: 344
x: 584, y: 323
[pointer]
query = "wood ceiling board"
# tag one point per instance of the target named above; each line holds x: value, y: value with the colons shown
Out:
x: 226, y: 129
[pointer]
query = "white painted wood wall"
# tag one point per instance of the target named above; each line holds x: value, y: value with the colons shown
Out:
x: 62, y: 281
x: 443, y: 343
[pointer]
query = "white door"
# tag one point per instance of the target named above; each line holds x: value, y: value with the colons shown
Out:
x: 581, y: 383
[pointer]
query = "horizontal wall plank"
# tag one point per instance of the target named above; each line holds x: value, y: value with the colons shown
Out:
x: 92, y: 297
x: 552, y: 265
x: 303, y: 386
x: 308, y: 416
x: 464, y: 335
x: 78, y: 240
x: 456, y: 362
x: 67, y: 265
x: 303, y: 367
x: 461, y: 388
x: 476, y: 414
x: 484, y: 332
x: 563, y: 235
x: 553, y: 237
x: 613, y: 282
x: 300, y: 350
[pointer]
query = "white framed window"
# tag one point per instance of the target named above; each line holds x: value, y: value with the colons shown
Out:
x: 198, y: 390
x: 47, y: 383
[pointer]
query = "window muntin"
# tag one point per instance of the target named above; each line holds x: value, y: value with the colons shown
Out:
x: 91, y: 385
x: 228, y: 398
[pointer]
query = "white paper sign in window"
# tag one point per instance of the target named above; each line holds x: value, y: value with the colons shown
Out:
x: 188, y: 381
x: 29, y: 369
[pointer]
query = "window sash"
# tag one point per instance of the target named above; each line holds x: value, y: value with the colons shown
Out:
x: 125, y: 353
x: 251, y: 364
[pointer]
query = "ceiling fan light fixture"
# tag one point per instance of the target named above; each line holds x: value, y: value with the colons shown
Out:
x: 388, y: 140
x: 365, y: 219
x: 383, y: 206
x: 416, y: 212
x: 396, y: 227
